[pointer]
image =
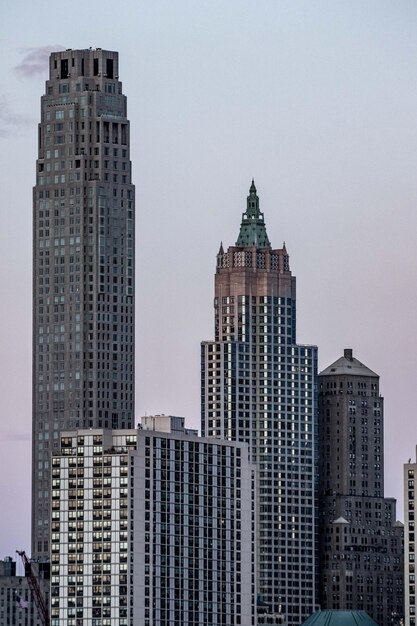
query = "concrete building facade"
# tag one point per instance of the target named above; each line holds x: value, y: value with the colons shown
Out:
x: 410, y: 508
x: 152, y: 527
x: 259, y: 386
x: 17, y: 607
x: 83, y: 263
x: 361, y: 543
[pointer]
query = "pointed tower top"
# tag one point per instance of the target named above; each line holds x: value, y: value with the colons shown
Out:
x: 221, y: 251
x: 252, y: 229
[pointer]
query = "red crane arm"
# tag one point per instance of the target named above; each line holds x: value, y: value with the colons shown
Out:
x: 36, y: 591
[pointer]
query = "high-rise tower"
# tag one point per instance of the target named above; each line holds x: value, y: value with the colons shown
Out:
x: 83, y: 263
x: 165, y: 537
x: 410, y: 506
x: 361, y: 544
x: 259, y: 386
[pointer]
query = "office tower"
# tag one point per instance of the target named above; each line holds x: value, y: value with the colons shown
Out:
x: 152, y: 527
x: 410, y: 507
x: 360, y: 541
x: 83, y: 263
x: 259, y: 386
x: 17, y: 607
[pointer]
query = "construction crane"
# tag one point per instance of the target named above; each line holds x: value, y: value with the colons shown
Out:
x: 36, y: 591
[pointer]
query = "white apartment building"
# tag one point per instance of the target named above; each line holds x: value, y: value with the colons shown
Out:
x: 152, y: 527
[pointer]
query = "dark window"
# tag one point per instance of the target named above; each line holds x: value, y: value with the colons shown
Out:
x: 109, y: 68
x: 95, y: 67
x: 64, y: 68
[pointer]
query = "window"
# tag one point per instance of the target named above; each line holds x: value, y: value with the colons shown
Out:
x: 64, y: 68
x: 109, y: 68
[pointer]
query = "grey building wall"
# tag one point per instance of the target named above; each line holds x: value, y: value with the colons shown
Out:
x: 193, y: 542
x: 83, y: 263
x: 361, y: 544
x: 410, y: 507
x: 17, y: 607
x: 259, y: 386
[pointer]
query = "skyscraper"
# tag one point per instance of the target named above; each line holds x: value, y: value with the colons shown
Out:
x: 410, y: 506
x: 360, y: 540
x: 259, y: 386
x: 83, y: 263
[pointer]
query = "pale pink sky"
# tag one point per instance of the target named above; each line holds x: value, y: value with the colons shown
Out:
x: 317, y: 101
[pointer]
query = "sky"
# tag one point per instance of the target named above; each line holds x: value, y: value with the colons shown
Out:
x: 315, y: 100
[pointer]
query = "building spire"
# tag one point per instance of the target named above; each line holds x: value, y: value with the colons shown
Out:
x: 252, y: 229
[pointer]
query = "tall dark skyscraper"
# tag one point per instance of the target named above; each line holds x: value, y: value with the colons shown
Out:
x: 83, y: 263
x: 361, y: 544
x: 259, y: 386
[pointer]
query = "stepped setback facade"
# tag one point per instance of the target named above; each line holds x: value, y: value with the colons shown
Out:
x: 83, y: 264
x: 361, y: 543
x: 259, y: 386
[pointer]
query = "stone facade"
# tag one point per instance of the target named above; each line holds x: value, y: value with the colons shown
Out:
x: 83, y: 263
x: 17, y: 607
x: 361, y: 544
x: 410, y: 508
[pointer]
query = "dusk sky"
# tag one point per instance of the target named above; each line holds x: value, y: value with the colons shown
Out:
x: 317, y: 100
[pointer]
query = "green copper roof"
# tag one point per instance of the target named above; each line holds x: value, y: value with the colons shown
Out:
x: 252, y: 229
x: 339, y: 618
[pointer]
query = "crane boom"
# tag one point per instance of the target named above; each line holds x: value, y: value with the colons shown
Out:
x: 36, y: 591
